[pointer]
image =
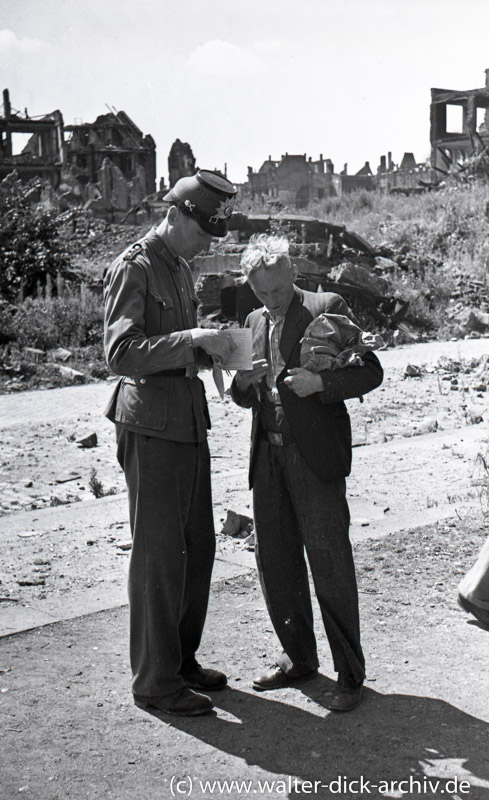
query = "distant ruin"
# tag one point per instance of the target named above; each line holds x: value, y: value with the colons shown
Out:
x: 298, y: 180
x: 459, y: 126
x: 108, y: 165
x: 181, y: 162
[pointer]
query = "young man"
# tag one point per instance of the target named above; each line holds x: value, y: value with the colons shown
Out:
x: 301, y: 454
x: 161, y: 418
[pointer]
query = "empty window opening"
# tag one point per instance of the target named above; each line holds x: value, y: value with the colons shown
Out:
x: 19, y: 142
x: 481, y: 117
x: 455, y: 119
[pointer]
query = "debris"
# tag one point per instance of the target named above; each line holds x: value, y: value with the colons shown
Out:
x: 88, y: 441
x: 72, y: 374
x: 359, y: 276
x: 61, y: 354
x: 249, y: 542
x: 31, y: 581
x: 237, y: 525
x: 124, y: 545
x: 34, y: 354
x: 66, y: 480
x: 28, y: 534
x: 472, y: 319
x: 412, y: 371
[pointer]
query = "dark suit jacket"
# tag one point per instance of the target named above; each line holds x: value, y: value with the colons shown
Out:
x: 319, y: 423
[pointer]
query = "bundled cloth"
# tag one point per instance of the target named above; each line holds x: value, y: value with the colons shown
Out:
x: 333, y: 341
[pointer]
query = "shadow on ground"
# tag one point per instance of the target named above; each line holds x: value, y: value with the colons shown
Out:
x: 388, y: 738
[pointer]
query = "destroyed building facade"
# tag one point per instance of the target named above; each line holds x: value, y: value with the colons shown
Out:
x: 298, y: 180
x: 459, y: 126
x: 181, y: 162
x: 108, y: 164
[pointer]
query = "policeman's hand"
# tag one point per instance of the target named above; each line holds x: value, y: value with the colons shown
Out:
x: 217, y: 344
x: 303, y: 382
x: 247, y: 377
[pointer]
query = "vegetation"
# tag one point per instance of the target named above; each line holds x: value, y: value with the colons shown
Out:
x: 31, y: 251
x: 444, y: 232
x: 443, y: 236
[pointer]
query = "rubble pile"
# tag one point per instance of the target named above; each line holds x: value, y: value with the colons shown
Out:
x: 92, y: 242
x: 209, y: 286
x: 326, y: 256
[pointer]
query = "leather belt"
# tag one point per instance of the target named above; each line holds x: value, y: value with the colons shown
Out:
x: 156, y: 379
x: 170, y: 373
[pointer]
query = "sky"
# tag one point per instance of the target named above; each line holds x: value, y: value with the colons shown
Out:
x: 240, y: 80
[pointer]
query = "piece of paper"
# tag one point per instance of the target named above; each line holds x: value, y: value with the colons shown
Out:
x: 241, y: 357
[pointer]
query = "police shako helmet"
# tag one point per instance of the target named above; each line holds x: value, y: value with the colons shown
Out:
x: 208, y: 197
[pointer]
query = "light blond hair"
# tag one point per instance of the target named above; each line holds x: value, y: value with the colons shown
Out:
x: 265, y: 251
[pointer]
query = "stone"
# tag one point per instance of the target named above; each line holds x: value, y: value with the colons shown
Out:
x: 72, y: 374
x: 34, y: 354
x: 61, y: 354
x: 237, y: 525
x: 385, y: 264
x: 471, y: 319
x: 88, y: 441
x: 412, y: 371
x: 360, y: 276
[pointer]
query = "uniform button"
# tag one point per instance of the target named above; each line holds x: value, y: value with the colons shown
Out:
x: 142, y: 380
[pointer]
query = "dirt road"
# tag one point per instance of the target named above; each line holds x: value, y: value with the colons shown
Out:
x: 417, y: 496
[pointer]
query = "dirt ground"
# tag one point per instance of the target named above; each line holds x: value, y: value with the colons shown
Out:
x: 419, y: 518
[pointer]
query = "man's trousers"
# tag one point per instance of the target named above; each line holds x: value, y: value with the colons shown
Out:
x: 294, y: 511
x: 173, y: 546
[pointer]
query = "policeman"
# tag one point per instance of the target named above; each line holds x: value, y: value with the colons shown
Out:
x: 161, y: 419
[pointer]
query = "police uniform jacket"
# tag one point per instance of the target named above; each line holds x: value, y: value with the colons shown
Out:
x: 150, y: 305
x: 319, y: 424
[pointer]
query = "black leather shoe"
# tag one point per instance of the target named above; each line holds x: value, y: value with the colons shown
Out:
x: 205, y: 678
x: 276, y: 678
x: 346, y: 696
x: 183, y: 703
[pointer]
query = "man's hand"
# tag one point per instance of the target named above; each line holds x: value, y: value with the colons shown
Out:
x: 303, y: 382
x: 217, y: 344
x: 247, y: 377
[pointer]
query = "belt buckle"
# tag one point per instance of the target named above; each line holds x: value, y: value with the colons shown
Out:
x: 275, y: 438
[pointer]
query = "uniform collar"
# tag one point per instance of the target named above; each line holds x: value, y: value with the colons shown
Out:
x: 162, y: 249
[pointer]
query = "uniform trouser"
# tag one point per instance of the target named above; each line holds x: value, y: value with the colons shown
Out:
x: 294, y: 510
x: 170, y: 507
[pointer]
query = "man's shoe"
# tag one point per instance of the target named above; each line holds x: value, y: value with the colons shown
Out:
x: 205, y: 678
x: 183, y: 703
x: 276, y: 678
x: 346, y: 696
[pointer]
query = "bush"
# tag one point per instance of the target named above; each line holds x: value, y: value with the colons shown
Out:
x: 30, y: 247
x: 73, y: 320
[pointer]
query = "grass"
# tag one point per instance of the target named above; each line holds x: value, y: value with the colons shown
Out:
x: 73, y: 321
x: 445, y: 234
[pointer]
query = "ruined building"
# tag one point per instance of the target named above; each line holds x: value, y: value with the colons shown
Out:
x: 298, y: 180
x: 42, y: 154
x: 459, y: 125
x: 108, y: 164
x: 407, y: 177
x: 181, y: 162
